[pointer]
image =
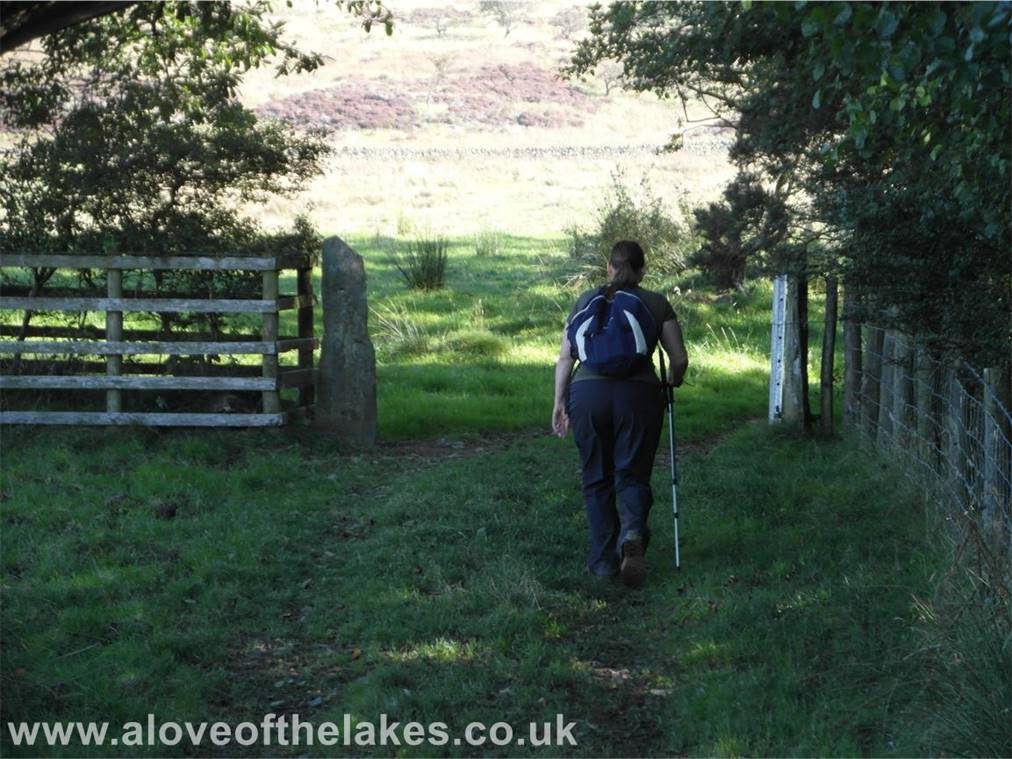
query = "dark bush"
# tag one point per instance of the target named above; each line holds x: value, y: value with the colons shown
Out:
x: 747, y: 223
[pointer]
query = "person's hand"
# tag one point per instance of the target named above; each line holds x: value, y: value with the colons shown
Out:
x: 674, y: 381
x: 560, y: 421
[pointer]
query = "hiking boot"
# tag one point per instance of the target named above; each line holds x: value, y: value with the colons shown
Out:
x: 633, y: 569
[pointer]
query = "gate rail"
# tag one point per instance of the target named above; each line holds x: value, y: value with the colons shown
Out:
x: 113, y: 343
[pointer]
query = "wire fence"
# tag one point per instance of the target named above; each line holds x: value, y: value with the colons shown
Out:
x: 946, y: 423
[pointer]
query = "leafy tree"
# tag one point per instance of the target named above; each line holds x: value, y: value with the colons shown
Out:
x: 884, y: 129
x: 918, y: 173
x: 610, y: 75
x: 130, y: 136
x: 748, y: 220
x: 130, y: 133
x: 507, y: 13
x: 570, y: 22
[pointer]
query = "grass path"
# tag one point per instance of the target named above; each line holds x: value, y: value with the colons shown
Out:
x: 451, y: 588
x: 766, y: 643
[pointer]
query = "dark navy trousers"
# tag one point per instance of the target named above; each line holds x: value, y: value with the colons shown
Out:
x: 617, y: 426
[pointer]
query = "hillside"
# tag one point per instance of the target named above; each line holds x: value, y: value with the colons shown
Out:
x: 451, y: 125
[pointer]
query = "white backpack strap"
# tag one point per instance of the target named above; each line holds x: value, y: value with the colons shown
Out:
x: 641, y: 341
x: 581, y: 339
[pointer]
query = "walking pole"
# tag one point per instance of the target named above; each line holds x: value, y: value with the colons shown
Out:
x: 669, y: 396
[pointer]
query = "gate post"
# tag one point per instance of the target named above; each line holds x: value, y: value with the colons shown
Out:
x: 777, y: 368
x: 346, y: 388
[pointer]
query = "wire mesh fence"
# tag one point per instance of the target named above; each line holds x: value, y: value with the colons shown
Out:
x: 947, y: 423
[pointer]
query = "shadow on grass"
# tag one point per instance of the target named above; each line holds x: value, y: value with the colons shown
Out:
x: 288, y: 580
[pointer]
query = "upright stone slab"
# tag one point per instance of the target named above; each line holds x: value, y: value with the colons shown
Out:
x: 346, y: 387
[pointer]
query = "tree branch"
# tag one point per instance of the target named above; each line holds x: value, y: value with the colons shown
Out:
x: 42, y: 18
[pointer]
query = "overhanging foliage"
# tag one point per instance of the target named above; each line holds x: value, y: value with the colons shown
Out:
x: 885, y: 129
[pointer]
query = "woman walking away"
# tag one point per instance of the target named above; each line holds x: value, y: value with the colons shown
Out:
x: 615, y: 406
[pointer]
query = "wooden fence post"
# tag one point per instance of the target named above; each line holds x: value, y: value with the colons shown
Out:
x: 989, y: 444
x: 114, y: 333
x: 777, y: 337
x: 803, y: 350
x: 851, y: 358
x: 828, y: 354
x: 924, y: 394
x: 269, y: 334
x: 871, y: 380
x: 794, y: 378
x: 885, y: 408
x: 903, y: 390
x: 1001, y: 387
x: 956, y: 448
x: 307, y: 393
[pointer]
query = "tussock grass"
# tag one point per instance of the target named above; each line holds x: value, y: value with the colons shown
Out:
x: 422, y: 263
x: 489, y: 242
x: 964, y: 662
x: 479, y: 343
x: 397, y: 332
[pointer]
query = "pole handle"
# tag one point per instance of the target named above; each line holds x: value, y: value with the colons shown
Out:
x: 669, y: 392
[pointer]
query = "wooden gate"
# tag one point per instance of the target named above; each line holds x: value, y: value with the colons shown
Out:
x: 111, y: 344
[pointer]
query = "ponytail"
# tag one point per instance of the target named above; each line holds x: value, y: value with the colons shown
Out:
x: 627, y: 260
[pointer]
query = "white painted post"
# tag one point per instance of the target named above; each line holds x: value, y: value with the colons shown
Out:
x: 777, y: 349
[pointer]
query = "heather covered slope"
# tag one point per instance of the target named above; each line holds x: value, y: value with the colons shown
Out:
x: 468, y: 129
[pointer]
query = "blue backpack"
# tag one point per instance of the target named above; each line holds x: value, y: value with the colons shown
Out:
x: 613, y: 338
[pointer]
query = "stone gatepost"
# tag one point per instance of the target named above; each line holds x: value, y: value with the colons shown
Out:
x: 346, y: 384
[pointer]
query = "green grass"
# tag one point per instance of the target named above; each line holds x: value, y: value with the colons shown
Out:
x: 452, y: 589
x: 227, y: 574
x: 471, y: 353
